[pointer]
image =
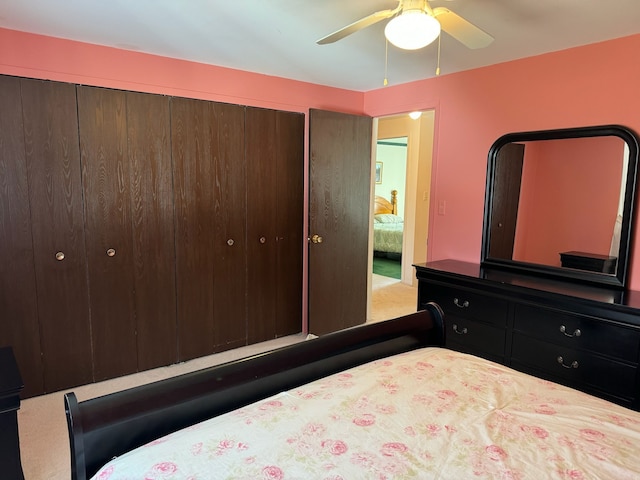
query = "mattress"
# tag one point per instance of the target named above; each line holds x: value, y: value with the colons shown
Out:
x: 431, y: 413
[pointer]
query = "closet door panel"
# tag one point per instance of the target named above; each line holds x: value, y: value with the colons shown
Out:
x: 55, y: 195
x: 230, y: 235
x: 262, y: 214
x: 148, y: 125
x: 105, y: 179
x: 18, y: 308
x: 290, y: 240
x: 193, y: 174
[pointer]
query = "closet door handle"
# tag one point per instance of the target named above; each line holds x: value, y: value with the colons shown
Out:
x: 263, y: 240
x: 576, y: 332
x: 230, y: 242
x: 111, y: 252
x: 459, y: 332
x: 59, y: 256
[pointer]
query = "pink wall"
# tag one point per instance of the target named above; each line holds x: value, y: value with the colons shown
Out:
x: 592, y: 85
x: 27, y: 55
x: 569, y: 199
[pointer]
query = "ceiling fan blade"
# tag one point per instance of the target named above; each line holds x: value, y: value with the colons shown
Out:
x: 359, y: 25
x: 460, y: 29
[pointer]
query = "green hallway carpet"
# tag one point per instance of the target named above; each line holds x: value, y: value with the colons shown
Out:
x: 386, y: 267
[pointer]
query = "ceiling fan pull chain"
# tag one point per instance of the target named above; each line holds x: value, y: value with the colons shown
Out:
x: 438, y: 59
x: 386, y: 57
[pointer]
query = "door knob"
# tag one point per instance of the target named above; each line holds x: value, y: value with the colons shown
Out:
x: 316, y: 238
x: 60, y: 256
x: 111, y: 252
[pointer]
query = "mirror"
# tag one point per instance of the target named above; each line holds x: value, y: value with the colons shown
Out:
x: 560, y: 203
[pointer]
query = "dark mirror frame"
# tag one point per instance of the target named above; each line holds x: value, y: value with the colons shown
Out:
x: 617, y: 280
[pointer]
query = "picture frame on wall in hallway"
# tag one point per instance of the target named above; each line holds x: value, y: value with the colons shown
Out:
x: 378, y: 172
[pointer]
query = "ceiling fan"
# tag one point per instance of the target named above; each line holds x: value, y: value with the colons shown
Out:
x: 415, y: 25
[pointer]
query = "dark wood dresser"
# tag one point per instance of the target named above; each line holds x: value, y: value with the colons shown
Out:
x: 10, y: 387
x: 583, y: 336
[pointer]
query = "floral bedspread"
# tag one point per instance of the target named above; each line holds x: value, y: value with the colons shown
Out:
x: 426, y: 414
x: 387, y: 237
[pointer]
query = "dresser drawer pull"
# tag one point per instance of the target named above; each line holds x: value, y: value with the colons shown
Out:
x: 574, y: 364
x: 459, y: 332
x: 457, y: 303
x: 576, y: 332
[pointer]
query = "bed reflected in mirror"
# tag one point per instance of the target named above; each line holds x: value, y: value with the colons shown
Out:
x: 560, y: 202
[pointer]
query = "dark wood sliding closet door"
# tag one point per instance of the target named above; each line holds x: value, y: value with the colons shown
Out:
x: 127, y: 182
x: 148, y: 127
x: 210, y: 209
x: 262, y: 214
x: 140, y: 230
x: 18, y: 306
x: 230, y: 226
x: 290, y: 207
x: 55, y: 195
x: 274, y: 222
x: 105, y: 179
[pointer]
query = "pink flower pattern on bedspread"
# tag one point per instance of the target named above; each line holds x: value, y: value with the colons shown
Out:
x: 427, y: 414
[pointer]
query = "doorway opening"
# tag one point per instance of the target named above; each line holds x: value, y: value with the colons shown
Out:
x: 388, y: 215
x: 401, y: 175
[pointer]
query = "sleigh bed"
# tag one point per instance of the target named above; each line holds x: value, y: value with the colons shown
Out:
x: 109, y: 426
x: 388, y: 227
x: 377, y: 401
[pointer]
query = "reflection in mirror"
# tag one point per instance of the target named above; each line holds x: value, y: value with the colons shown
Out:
x: 567, y: 199
x: 560, y: 202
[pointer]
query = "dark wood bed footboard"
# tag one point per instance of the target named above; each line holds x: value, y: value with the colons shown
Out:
x: 108, y: 426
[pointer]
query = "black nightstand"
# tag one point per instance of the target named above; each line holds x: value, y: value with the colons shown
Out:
x: 589, y: 261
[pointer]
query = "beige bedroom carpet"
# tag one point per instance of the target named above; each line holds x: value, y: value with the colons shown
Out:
x: 391, y: 298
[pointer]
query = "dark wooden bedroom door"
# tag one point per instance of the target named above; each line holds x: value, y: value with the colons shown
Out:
x: 339, y: 205
x: 508, y: 179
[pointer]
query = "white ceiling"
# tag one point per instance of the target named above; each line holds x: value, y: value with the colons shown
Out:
x: 277, y: 37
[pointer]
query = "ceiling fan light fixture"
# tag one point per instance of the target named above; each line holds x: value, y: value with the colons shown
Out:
x: 412, y: 29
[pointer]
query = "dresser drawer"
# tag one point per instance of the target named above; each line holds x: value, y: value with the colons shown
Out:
x: 579, y: 368
x: 475, y: 337
x: 464, y: 303
x: 579, y: 332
